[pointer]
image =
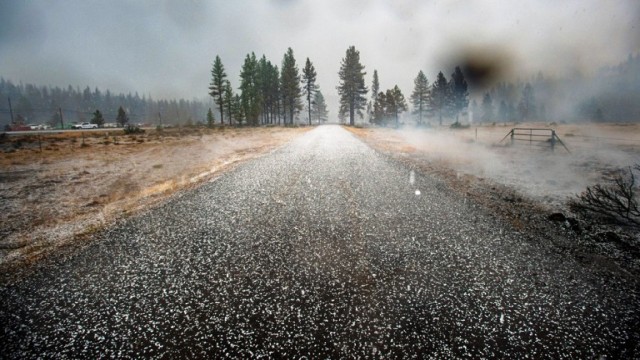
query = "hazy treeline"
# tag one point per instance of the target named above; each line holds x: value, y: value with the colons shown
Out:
x: 32, y: 104
x: 272, y: 94
x: 611, y: 94
x: 438, y: 101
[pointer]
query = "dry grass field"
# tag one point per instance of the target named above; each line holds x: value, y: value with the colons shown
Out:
x: 56, y: 187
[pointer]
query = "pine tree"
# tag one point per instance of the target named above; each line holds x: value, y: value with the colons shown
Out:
x: 210, y: 118
x: 97, y: 118
x: 122, y: 119
x: 352, y: 90
x: 379, y: 109
x: 420, y: 97
x: 396, y: 103
x: 487, y: 108
x: 319, y: 107
x: 55, y: 119
x: 216, y: 88
x: 342, y: 113
x: 263, y: 84
x: 275, y: 95
x: 527, y: 105
x: 237, y: 110
x: 459, y: 92
x: 268, y: 83
x: 249, y: 86
x: 375, y: 88
x: 290, y: 85
x: 227, y: 99
x: 309, y: 81
x: 440, y: 95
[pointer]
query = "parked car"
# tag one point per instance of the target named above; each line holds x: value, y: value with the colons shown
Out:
x: 39, y: 127
x: 84, y: 125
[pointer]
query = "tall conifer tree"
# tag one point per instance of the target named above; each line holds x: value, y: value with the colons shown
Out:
x: 216, y: 88
x: 290, y: 85
x: 459, y: 92
x: 309, y: 80
x: 440, y: 93
x: 420, y: 98
x: 352, y: 90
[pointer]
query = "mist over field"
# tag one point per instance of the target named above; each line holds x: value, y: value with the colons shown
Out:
x: 552, y: 177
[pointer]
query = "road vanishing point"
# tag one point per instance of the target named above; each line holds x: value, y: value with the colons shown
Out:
x: 323, y: 248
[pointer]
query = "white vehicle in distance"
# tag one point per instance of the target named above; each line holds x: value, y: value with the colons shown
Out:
x: 84, y: 125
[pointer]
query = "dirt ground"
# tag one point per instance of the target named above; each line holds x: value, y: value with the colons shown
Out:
x: 526, y: 183
x: 56, y: 188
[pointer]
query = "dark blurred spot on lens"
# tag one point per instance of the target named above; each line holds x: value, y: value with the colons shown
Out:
x: 482, y: 68
x: 479, y: 72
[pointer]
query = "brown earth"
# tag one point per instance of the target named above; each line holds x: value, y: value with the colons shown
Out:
x: 56, y: 188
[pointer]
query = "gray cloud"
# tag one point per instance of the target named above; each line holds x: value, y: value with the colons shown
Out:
x: 165, y: 48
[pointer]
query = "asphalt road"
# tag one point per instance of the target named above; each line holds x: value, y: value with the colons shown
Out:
x: 323, y: 248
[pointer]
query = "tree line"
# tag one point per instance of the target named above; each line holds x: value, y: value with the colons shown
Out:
x: 32, y: 104
x: 611, y: 94
x: 268, y: 94
x: 445, y: 98
x: 272, y: 94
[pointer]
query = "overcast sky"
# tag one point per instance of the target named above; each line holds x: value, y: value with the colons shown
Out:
x: 165, y: 48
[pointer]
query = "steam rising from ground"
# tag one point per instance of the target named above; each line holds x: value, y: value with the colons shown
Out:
x: 534, y: 171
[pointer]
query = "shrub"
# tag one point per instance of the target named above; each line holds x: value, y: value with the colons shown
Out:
x: 458, y: 125
x: 615, y: 203
x: 132, y: 129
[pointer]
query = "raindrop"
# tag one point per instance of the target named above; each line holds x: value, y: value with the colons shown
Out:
x: 412, y: 177
x: 417, y: 192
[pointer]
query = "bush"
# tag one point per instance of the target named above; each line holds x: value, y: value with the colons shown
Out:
x: 458, y: 125
x: 132, y: 129
x: 615, y: 203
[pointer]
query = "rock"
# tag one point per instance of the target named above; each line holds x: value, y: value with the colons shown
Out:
x: 575, y: 225
x: 559, y: 217
x: 608, y: 236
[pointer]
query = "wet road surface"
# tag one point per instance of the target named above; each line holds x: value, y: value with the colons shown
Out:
x: 323, y: 248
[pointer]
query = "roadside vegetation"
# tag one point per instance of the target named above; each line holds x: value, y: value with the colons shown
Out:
x: 615, y: 202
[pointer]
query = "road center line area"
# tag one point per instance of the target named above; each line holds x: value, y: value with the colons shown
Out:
x: 322, y: 249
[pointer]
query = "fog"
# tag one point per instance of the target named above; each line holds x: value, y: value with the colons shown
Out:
x: 165, y: 48
x: 594, y: 153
